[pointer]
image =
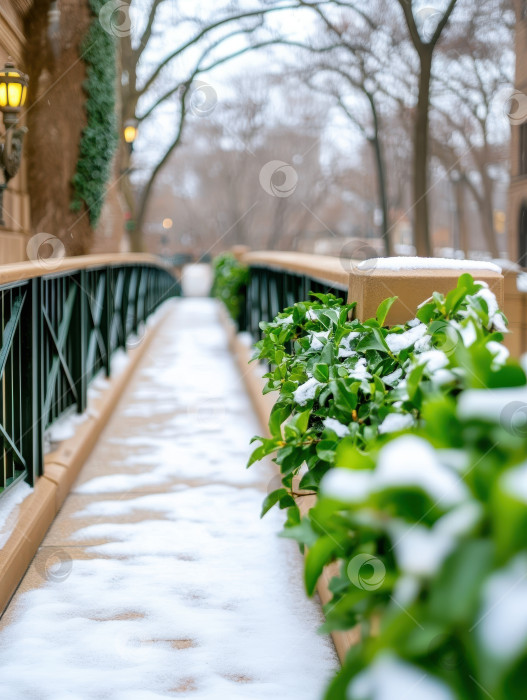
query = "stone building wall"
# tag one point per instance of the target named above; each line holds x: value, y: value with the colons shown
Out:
x: 15, y: 232
x: 38, y: 198
x: 517, y: 214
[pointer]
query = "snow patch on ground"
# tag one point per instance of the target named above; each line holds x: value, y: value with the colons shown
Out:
x: 196, y: 280
x: 9, y: 502
x: 65, y: 427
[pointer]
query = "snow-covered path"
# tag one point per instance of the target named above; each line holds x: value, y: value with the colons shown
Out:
x: 158, y: 579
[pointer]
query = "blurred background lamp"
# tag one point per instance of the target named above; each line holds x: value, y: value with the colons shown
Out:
x: 130, y: 131
x: 167, y: 223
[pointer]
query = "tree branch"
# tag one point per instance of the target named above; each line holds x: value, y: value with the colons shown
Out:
x: 199, y: 35
x: 223, y: 59
x: 145, y: 37
x: 406, y: 6
x: 443, y: 22
x: 204, y: 54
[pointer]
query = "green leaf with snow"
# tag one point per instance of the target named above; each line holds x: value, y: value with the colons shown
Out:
x: 383, y: 310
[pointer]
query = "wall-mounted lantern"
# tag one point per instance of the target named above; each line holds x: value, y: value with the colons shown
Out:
x: 130, y: 133
x: 13, y: 93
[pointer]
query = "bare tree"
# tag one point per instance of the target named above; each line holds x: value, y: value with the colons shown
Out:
x: 205, y: 39
x: 474, y: 67
x: 370, y: 130
x: 381, y: 53
x: 231, y: 186
x: 425, y: 48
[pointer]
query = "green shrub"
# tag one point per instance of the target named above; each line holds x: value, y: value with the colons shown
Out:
x: 99, y: 138
x: 428, y: 523
x: 431, y: 543
x: 360, y: 380
x: 230, y: 283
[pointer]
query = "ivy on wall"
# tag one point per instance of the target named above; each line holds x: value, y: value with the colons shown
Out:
x: 99, y: 138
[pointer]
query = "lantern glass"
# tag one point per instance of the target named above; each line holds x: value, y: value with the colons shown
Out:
x: 14, y: 94
x: 13, y: 88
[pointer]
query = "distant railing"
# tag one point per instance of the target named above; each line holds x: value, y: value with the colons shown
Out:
x: 61, y: 322
x: 278, y: 280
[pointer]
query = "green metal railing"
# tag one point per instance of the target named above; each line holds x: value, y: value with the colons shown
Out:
x: 270, y: 290
x: 58, y: 331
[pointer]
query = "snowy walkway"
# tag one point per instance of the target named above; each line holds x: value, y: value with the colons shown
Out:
x: 158, y: 579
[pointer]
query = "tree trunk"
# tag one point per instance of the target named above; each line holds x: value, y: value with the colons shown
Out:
x: 136, y: 240
x: 420, y: 184
x: 461, y: 219
x: 381, y: 179
x: 275, y: 238
x: 137, y: 243
x: 383, y: 199
x: 487, y: 216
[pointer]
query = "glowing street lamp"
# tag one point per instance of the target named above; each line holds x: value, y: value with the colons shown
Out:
x: 130, y: 133
x: 13, y: 93
x: 167, y: 223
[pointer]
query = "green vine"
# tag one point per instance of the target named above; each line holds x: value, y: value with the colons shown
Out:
x: 99, y: 138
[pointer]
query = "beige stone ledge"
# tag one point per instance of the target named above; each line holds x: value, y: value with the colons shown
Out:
x: 368, y: 288
x: 15, y: 272
x: 322, y: 267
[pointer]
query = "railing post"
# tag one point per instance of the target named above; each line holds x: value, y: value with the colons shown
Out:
x: 31, y: 380
x: 125, y: 272
x: 80, y: 340
x: 140, y: 300
x: 107, y: 319
x: 131, y: 313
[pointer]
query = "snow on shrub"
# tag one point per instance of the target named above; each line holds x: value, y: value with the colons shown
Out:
x: 429, y: 530
x: 338, y: 378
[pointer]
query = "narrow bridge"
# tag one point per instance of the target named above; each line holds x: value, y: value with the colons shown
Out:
x: 133, y: 559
